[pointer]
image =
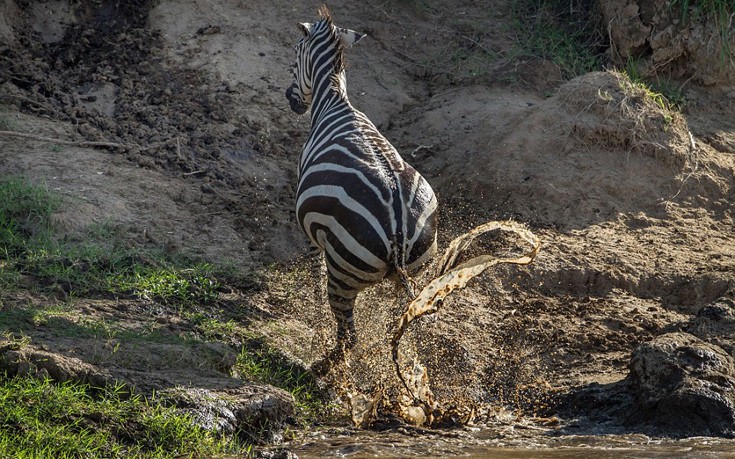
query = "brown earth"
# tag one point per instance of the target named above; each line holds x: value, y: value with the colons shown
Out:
x: 633, y: 202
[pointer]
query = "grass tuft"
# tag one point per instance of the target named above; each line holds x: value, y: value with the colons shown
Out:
x: 561, y: 31
x: 720, y: 11
x: 258, y: 363
x: 6, y: 122
x: 43, y: 419
x: 667, y: 95
x: 25, y: 216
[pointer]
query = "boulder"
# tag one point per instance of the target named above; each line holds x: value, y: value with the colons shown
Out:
x: 715, y: 323
x: 257, y: 411
x: 683, y: 386
x: 722, y: 310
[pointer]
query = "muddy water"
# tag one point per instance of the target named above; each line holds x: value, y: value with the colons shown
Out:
x: 511, y: 442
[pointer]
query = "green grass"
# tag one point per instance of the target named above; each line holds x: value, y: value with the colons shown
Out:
x: 98, y: 264
x: 214, y: 329
x: 561, y: 31
x: 22, y: 319
x: 43, y: 419
x: 168, y: 284
x: 61, y: 320
x: 665, y: 93
x: 31, y: 255
x: 717, y: 10
x: 25, y: 216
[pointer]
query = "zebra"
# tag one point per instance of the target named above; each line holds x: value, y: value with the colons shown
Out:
x: 370, y: 213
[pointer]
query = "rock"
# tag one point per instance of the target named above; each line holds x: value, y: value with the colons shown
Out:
x: 715, y: 323
x: 39, y: 363
x: 722, y: 309
x: 275, y: 454
x: 258, y: 411
x: 684, y: 386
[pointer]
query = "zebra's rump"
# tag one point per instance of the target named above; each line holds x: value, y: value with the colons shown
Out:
x: 368, y: 218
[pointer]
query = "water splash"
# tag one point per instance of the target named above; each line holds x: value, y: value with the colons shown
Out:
x: 418, y: 405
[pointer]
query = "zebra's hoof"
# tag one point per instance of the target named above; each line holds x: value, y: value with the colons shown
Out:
x: 350, y: 342
x: 320, y: 368
x: 324, y: 365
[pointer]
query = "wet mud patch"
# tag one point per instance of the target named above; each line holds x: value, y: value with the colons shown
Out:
x: 111, y: 82
x: 454, y: 273
x: 383, y: 379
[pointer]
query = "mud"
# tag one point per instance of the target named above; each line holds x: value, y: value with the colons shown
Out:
x: 632, y: 202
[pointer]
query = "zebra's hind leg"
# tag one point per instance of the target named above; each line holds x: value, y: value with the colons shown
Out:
x: 342, y: 308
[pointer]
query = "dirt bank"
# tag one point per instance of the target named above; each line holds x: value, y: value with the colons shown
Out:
x: 633, y: 201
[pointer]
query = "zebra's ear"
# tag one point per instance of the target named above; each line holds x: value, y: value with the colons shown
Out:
x: 349, y: 37
x: 305, y: 27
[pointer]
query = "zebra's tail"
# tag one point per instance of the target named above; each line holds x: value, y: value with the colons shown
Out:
x: 400, y: 268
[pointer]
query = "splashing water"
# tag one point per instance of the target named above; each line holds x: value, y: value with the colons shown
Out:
x: 417, y: 405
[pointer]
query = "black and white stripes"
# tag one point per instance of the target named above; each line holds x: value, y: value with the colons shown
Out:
x: 371, y: 213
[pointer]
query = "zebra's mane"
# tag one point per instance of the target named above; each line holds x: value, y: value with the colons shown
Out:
x: 339, y: 56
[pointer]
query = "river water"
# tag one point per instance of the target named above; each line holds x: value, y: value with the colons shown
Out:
x: 512, y: 442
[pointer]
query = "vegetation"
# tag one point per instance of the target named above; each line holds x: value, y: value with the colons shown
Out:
x: 666, y: 94
x: 260, y: 364
x: 43, y: 419
x: 32, y: 256
x: 463, y: 57
x: 25, y: 213
x: 6, y: 123
x: 718, y: 10
x: 39, y: 418
x: 563, y: 32
x: 569, y: 35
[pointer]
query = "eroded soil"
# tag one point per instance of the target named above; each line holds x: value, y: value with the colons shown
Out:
x: 633, y: 203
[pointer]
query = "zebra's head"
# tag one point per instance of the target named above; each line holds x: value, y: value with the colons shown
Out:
x: 321, y: 48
